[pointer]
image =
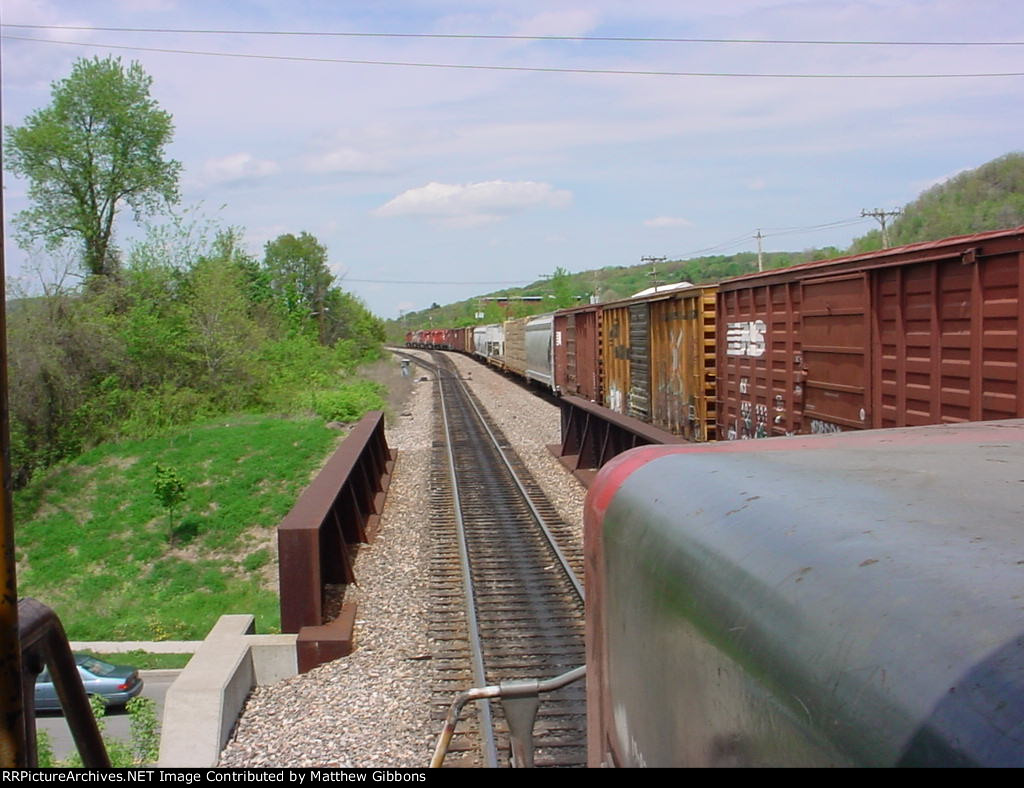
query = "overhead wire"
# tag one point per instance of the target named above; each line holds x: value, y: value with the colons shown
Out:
x: 748, y: 236
x: 534, y: 69
x: 430, y: 282
x: 517, y: 37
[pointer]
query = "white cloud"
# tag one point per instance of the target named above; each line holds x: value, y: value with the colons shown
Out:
x: 668, y: 221
x: 473, y: 204
x: 235, y: 167
x: 573, y: 22
x: 757, y: 184
x: 347, y: 160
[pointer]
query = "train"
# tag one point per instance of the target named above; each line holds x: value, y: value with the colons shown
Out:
x: 846, y: 594
x: 927, y: 333
x: 843, y: 599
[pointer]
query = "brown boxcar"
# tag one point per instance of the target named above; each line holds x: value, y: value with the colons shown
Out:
x: 577, y: 351
x: 658, y: 358
x: 462, y: 339
x: 923, y: 334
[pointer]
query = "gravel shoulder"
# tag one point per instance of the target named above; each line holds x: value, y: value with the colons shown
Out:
x: 372, y: 708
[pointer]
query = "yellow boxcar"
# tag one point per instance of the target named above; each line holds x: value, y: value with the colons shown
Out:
x: 658, y: 354
x: 615, y: 349
x: 682, y: 394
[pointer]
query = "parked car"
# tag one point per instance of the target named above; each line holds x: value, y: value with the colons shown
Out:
x: 116, y: 684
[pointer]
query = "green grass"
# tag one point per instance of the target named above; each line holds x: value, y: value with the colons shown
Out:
x: 143, y: 660
x: 93, y: 540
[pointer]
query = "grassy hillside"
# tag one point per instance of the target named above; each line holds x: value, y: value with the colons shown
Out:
x: 95, y: 544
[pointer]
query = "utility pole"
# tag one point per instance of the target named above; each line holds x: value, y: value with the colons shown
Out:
x: 760, y: 251
x: 653, y: 273
x: 881, y: 217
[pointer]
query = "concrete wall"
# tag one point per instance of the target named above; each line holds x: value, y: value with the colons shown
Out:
x: 203, y: 704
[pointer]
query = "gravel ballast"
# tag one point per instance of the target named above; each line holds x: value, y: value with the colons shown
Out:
x: 372, y: 708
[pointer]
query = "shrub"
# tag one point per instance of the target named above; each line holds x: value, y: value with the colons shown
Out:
x: 349, y: 402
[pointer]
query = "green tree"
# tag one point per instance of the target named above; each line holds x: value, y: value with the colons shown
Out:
x: 169, y: 489
x: 561, y: 288
x: 226, y: 339
x: 299, y: 276
x: 100, y: 144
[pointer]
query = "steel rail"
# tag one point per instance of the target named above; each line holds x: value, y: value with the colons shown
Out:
x: 552, y: 543
x: 506, y: 579
x: 486, y: 719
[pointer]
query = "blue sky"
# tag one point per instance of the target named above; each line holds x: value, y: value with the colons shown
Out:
x: 438, y: 175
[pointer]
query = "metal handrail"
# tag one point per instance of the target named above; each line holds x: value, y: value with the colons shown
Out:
x: 512, y: 693
x: 44, y: 643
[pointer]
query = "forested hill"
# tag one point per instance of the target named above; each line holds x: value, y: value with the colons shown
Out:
x: 990, y: 197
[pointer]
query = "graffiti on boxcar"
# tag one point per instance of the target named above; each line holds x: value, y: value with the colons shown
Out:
x: 752, y: 422
x: 819, y: 427
x: 761, y: 420
x: 745, y: 339
x: 615, y: 399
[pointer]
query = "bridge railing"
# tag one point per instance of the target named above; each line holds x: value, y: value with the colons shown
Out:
x: 592, y: 435
x: 340, y: 509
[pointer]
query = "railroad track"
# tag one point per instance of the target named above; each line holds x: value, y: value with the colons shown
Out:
x: 506, y: 598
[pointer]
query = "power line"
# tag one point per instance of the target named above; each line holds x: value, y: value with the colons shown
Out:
x: 497, y: 37
x: 800, y: 230
x: 432, y: 281
x: 535, y: 69
x: 745, y: 237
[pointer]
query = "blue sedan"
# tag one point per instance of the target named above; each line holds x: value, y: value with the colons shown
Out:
x: 116, y: 684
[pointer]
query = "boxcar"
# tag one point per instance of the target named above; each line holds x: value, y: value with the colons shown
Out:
x: 577, y: 352
x: 923, y: 334
x: 515, y: 345
x: 658, y: 360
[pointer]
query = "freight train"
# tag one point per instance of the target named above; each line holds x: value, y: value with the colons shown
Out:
x: 928, y: 333
x: 843, y: 596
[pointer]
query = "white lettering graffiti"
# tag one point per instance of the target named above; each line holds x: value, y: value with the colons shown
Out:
x: 819, y: 427
x: 745, y: 339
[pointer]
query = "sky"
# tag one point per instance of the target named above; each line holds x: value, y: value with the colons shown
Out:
x: 433, y: 184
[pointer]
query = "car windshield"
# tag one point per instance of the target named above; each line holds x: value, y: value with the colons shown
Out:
x: 95, y: 666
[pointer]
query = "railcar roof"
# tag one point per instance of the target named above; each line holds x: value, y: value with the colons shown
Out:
x: 910, y: 253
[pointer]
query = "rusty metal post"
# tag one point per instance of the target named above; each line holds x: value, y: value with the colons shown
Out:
x: 44, y: 642
x: 13, y: 748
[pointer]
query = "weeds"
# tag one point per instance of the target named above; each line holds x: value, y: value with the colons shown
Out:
x: 142, y: 748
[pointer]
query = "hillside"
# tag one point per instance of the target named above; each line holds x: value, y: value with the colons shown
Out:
x: 990, y: 197
x: 610, y: 283
x: 987, y: 198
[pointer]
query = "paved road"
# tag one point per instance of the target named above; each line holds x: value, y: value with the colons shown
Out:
x: 155, y: 684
